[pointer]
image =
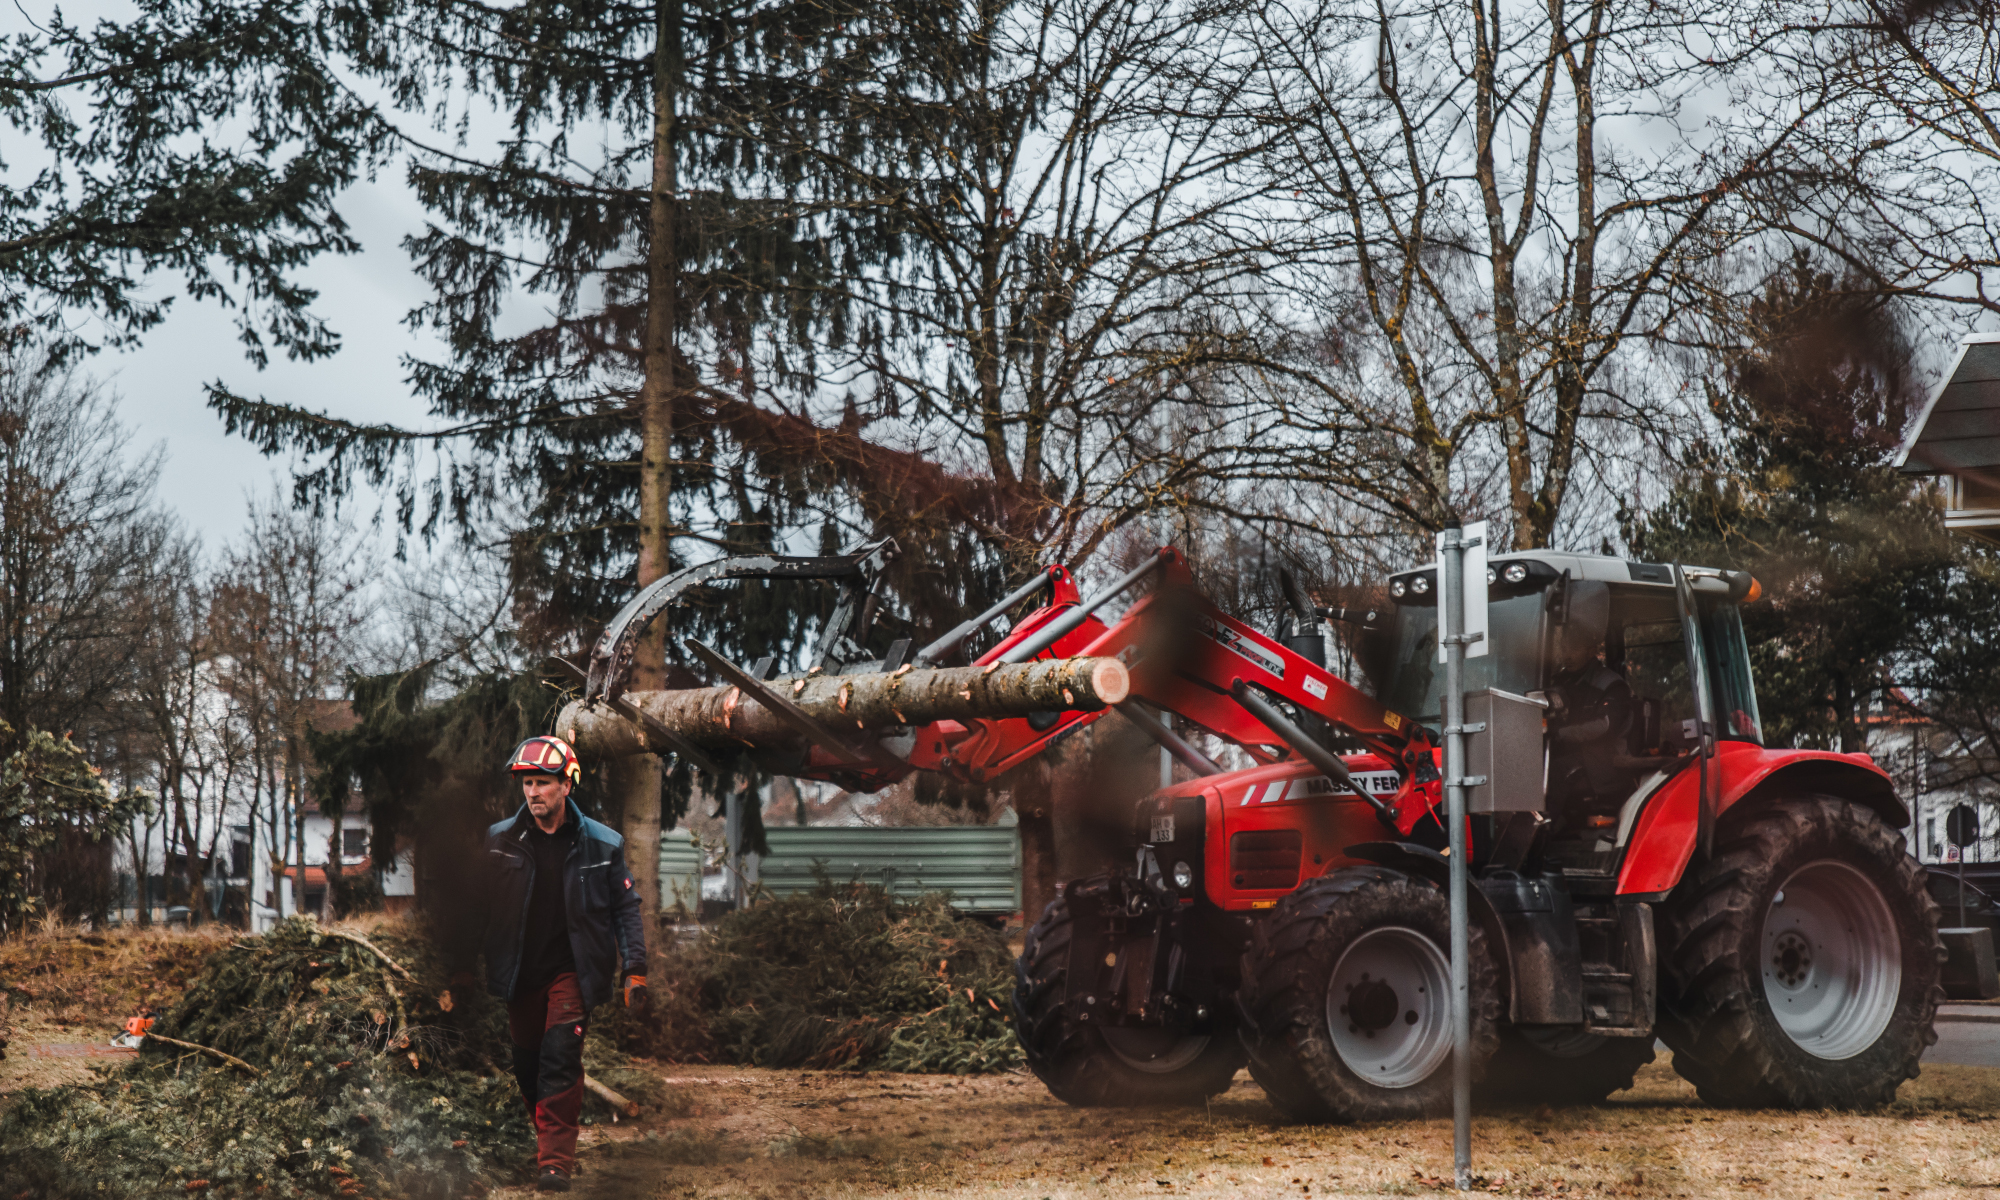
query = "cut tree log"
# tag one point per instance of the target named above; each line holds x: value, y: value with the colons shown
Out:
x: 851, y: 704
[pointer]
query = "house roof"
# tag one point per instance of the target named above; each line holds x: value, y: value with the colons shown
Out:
x: 1958, y: 432
x: 316, y: 876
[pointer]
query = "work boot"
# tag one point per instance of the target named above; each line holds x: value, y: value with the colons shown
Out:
x: 552, y: 1180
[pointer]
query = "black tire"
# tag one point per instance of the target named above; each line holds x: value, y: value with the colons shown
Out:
x: 1290, y: 969
x: 1569, y: 1068
x: 1088, y: 1066
x: 1733, y: 954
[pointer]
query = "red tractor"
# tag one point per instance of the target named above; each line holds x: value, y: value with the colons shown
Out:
x: 1642, y: 867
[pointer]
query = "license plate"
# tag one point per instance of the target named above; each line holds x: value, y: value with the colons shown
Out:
x: 1163, y: 828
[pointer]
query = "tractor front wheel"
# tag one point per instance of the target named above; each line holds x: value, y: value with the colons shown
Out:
x: 1801, y: 961
x: 1346, y: 999
x: 1092, y: 1066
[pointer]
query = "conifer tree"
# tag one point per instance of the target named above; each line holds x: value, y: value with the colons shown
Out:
x: 683, y: 271
x: 206, y: 139
x: 1853, y: 557
x: 843, y: 270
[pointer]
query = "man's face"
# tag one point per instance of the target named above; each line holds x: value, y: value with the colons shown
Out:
x: 546, y: 794
x: 1576, y: 656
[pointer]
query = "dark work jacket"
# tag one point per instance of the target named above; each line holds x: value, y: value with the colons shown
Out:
x: 607, y: 934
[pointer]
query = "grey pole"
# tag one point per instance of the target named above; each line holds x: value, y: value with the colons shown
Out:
x: 1451, y: 595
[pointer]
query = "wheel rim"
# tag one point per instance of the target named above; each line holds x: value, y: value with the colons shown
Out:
x: 1388, y: 1007
x: 1154, y: 1051
x: 1832, y: 962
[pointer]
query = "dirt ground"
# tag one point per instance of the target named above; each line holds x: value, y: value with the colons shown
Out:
x: 774, y: 1135
x: 729, y: 1132
x: 77, y: 989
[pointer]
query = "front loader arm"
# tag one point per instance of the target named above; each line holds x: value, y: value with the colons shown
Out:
x: 977, y: 751
x: 1186, y: 656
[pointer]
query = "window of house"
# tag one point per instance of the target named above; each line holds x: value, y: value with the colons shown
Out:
x: 353, y: 843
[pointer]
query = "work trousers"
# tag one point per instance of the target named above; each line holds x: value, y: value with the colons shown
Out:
x: 546, y: 1027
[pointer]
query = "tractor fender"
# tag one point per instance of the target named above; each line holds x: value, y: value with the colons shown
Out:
x: 1662, y: 842
x: 1421, y: 862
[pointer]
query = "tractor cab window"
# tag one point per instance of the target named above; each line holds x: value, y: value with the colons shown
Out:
x: 1415, y: 678
x: 1729, y: 672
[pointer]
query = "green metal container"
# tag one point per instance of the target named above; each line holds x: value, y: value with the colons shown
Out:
x: 978, y: 865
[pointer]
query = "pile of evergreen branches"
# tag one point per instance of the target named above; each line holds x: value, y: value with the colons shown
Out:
x: 847, y: 977
x: 355, y: 1074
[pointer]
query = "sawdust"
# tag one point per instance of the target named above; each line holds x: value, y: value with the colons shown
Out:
x: 759, y: 1134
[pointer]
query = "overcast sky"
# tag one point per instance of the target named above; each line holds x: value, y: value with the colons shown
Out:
x: 208, y: 475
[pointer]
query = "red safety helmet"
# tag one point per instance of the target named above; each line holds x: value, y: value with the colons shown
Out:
x: 547, y: 756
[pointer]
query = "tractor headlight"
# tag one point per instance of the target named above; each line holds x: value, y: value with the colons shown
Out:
x: 1515, y: 573
x: 1183, y: 876
x: 1421, y: 585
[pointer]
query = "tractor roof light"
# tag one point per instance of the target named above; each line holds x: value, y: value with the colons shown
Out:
x: 1515, y: 572
x: 1397, y: 588
x: 1743, y: 586
x: 1421, y: 585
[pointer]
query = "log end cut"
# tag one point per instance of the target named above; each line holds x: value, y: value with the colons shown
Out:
x: 1110, y: 680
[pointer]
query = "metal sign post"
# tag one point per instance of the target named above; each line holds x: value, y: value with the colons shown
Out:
x: 1457, y: 592
x: 1961, y: 829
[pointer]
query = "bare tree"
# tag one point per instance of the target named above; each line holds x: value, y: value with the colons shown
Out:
x: 291, y: 607
x: 170, y: 659
x: 78, y: 541
x: 1917, y: 137
x: 1499, y: 212
x: 1054, y: 176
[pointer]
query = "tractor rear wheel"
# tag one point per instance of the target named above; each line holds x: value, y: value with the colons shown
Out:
x: 1562, y: 1067
x: 1346, y: 999
x: 1092, y: 1066
x: 1800, y: 964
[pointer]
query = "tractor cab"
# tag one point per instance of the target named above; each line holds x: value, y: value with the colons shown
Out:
x: 1632, y: 666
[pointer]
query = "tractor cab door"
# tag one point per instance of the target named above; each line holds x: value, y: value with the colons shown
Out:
x: 1639, y: 678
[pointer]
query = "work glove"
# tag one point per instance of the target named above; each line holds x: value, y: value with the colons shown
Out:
x: 461, y: 983
x: 636, y: 995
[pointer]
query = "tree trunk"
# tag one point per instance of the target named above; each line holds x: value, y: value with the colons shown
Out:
x: 139, y: 862
x: 1033, y: 806
x: 639, y: 782
x: 1845, y: 725
x: 330, y: 908
x: 298, y: 815
x: 190, y: 839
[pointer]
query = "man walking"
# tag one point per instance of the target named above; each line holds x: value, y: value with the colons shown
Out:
x: 562, y: 924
